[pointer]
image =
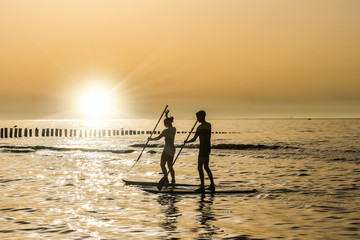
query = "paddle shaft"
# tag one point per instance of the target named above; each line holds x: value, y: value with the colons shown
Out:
x: 148, y: 138
x: 162, y: 181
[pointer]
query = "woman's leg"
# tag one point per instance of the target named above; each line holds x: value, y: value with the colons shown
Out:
x: 162, y: 165
x: 170, y: 166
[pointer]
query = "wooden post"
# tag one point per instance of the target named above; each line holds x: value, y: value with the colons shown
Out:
x: 56, y: 132
x: 30, y: 132
x: 15, y: 132
x: 65, y: 133
x: 37, y: 132
x: 122, y: 132
x: 25, y: 132
x: 81, y: 133
x: 75, y: 132
x: 10, y: 133
x: 60, y: 132
x: 126, y: 132
x: 2, y: 133
x: 5, y: 133
x: 20, y: 132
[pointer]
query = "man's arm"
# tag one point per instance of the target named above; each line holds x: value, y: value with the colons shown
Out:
x: 193, y: 139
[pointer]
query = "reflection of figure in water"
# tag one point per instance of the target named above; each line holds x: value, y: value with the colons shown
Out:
x: 171, y: 212
x: 169, y: 149
x: 203, y: 131
x: 207, y: 217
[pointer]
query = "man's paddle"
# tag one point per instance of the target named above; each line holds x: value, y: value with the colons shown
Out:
x: 149, y: 137
x: 163, y: 179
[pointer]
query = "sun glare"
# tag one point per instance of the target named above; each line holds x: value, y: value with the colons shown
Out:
x: 96, y: 102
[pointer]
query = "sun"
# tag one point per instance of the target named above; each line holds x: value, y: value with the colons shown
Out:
x: 96, y: 102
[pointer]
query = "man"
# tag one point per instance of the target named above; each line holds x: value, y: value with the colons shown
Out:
x: 203, y: 131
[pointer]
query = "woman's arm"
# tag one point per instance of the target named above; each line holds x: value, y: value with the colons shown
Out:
x: 156, y: 138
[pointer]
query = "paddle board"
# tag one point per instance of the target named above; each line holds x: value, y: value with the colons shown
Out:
x: 183, y: 192
x: 128, y: 182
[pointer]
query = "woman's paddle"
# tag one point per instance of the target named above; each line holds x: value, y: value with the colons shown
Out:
x: 149, y: 137
x: 163, y: 179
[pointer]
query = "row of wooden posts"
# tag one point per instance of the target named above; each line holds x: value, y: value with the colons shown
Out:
x: 57, y: 132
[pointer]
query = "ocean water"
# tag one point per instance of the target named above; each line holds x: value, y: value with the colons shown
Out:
x: 306, y: 173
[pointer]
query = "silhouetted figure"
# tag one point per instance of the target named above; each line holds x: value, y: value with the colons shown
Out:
x: 203, y: 131
x: 169, y: 149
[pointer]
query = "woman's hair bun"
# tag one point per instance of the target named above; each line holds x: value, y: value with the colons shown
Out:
x: 168, y: 119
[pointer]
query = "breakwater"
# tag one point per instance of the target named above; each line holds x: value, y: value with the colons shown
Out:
x: 18, y: 132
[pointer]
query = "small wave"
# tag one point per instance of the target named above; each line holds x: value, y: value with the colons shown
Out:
x: 9, y: 180
x: 224, y: 146
x: 17, y: 150
x: 141, y: 145
x: 283, y: 190
x: 343, y: 159
x: 26, y: 149
x: 351, y: 151
x: 244, y: 146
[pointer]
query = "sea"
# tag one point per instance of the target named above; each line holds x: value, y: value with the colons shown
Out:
x: 306, y: 173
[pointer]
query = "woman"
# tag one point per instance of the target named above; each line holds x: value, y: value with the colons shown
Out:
x: 168, y: 153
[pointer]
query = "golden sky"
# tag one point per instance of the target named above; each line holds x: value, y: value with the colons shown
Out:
x: 232, y: 58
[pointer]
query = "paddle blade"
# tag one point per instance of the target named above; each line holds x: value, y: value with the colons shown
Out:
x: 161, y: 183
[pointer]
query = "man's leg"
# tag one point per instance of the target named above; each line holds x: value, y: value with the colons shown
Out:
x: 209, y: 173
x: 201, y: 173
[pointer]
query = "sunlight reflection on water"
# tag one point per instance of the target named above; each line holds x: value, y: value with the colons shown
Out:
x: 49, y: 194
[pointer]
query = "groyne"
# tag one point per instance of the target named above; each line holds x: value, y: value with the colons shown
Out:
x: 18, y: 132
